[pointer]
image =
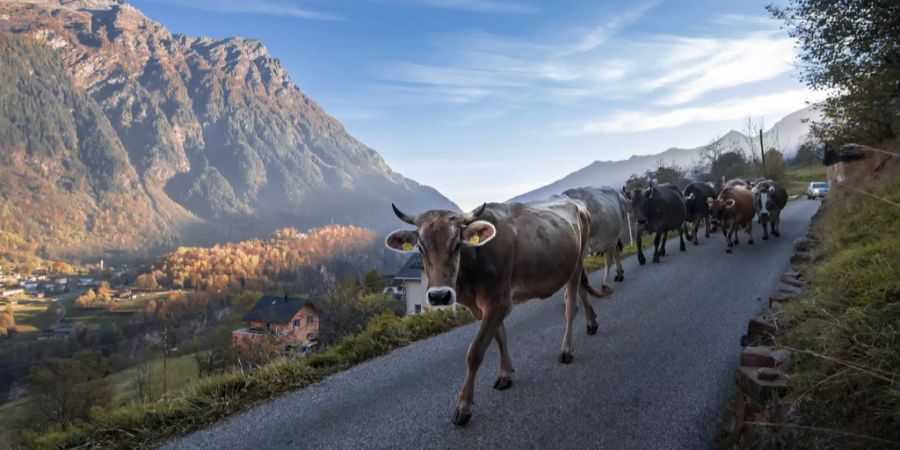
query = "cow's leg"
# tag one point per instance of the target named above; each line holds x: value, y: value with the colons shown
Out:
x: 750, y: 233
x: 687, y: 229
x: 656, y: 251
x: 565, y: 354
x: 707, y: 225
x: 640, y: 248
x: 589, y: 315
x: 695, y: 230
x: 728, y: 234
x: 607, y: 261
x: 776, y: 224
x: 765, y: 224
x: 504, y: 379
x: 662, y: 245
x: 681, y: 247
x: 620, y: 272
x: 492, y: 318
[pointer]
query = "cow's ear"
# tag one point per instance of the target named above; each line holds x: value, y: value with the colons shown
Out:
x: 478, y: 233
x: 729, y: 203
x: 403, y: 241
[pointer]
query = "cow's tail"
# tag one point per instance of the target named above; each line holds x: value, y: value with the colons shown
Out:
x: 586, y: 284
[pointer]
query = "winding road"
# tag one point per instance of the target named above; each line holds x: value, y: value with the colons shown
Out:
x: 657, y: 375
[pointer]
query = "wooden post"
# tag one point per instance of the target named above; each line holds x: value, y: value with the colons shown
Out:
x: 762, y: 149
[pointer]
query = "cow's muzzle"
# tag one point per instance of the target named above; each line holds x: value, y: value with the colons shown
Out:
x: 441, y: 296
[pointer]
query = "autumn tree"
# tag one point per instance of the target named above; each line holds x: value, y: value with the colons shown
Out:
x: 63, y: 390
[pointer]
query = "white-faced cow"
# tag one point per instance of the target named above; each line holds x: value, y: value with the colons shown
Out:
x: 696, y: 196
x: 733, y: 209
x: 770, y: 199
x: 658, y: 209
x: 495, y: 256
x: 609, y: 225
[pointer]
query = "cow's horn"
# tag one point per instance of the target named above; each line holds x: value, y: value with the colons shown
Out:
x: 403, y: 216
x: 690, y: 197
x: 472, y: 216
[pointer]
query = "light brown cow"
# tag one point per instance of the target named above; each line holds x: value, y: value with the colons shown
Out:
x: 498, y: 255
x: 734, y: 208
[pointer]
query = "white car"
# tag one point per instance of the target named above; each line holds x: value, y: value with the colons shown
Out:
x: 817, y: 189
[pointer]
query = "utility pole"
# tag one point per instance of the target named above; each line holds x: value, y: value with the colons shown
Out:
x: 165, y: 358
x: 762, y: 149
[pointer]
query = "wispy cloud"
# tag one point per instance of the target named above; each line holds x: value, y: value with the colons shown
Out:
x: 646, y: 120
x: 483, y: 6
x: 595, y: 63
x: 272, y: 8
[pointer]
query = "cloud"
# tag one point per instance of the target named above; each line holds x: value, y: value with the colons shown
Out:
x: 483, y: 6
x: 646, y: 120
x: 596, y: 63
x: 256, y: 7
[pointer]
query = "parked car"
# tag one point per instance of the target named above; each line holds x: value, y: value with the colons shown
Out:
x: 817, y: 189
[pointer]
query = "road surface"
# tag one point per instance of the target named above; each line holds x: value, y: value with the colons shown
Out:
x: 657, y: 375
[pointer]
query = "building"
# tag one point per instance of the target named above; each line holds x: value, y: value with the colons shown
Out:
x: 414, y: 282
x: 292, y: 322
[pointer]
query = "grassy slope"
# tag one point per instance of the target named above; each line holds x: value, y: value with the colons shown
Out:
x: 213, y: 398
x: 796, y: 179
x: 851, y: 316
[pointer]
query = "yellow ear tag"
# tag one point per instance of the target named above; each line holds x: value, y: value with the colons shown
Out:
x: 407, y: 246
x: 474, y: 240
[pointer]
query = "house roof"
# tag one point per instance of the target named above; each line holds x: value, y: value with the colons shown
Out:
x: 412, y: 268
x: 276, y: 309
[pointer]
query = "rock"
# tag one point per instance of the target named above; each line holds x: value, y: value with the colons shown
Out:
x: 765, y: 356
x: 791, y: 289
x: 782, y: 297
x: 801, y: 257
x: 793, y: 281
x: 802, y: 244
x: 760, y: 331
x: 792, y: 272
x: 761, y: 383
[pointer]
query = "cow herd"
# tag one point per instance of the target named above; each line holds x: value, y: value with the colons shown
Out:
x: 504, y: 253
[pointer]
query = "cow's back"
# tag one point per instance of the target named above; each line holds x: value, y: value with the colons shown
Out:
x: 667, y: 211
x: 608, y: 209
x: 540, y: 248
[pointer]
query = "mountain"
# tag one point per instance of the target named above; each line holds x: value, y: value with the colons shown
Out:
x: 787, y: 135
x: 117, y: 135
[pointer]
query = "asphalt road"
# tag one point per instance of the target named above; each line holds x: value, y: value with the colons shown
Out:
x: 657, y: 375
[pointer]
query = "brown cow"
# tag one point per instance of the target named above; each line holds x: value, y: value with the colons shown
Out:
x: 733, y: 208
x: 515, y: 252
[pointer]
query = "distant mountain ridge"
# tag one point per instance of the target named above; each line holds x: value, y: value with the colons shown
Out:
x: 787, y: 134
x: 117, y: 135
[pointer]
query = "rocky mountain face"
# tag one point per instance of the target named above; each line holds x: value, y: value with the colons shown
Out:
x: 116, y: 134
x: 786, y: 135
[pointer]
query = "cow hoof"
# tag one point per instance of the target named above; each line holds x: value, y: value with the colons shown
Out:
x: 642, y: 260
x: 697, y: 241
x: 656, y: 260
x: 727, y: 250
x: 565, y: 358
x: 689, y: 237
x: 682, y: 248
x: 592, y: 329
x: 750, y: 242
x: 765, y: 238
x: 619, y: 278
x: 503, y: 383
x: 461, y: 416
x: 776, y: 234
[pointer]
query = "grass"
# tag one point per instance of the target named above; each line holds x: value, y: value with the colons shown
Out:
x: 180, y: 371
x: 32, y: 316
x: 212, y: 398
x: 848, y: 323
x: 797, y: 179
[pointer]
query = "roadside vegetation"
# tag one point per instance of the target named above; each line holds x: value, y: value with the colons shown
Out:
x: 216, y: 396
x: 848, y: 324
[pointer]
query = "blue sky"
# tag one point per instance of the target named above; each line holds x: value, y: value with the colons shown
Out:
x: 487, y: 99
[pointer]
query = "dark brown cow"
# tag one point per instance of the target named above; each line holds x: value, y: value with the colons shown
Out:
x: 498, y: 255
x: 734, y: 208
